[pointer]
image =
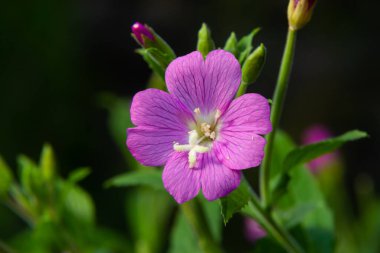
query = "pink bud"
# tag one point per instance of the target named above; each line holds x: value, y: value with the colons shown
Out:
x: 253, y: 231
x: 314, y: 134
x: 310, y: 3
x: 140, y: 30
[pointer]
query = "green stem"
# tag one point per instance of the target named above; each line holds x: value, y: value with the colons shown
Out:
x: 276, y: 110
x: 257, y: 212
x: 195, y: 216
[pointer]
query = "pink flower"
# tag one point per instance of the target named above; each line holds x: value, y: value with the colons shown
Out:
x: 141, y: 31
x: 197, y: 130
x: 253, y: 230
x: 314, y: 134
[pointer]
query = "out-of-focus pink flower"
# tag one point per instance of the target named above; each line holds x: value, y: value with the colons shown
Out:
x: 314, y: 134
x: 140, y: 31
x: 252, y: 230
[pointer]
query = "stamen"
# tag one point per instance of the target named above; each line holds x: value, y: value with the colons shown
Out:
x: 212, y: 135
x: 192, y: 158
x: 197, y: 110
x: 193, y: 147
x: 180, y: 148
x: 218, y: 113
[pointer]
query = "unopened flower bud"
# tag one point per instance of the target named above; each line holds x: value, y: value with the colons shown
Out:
x: 253, y: 65
x: 155, y: 51
x: 205, y: 42
x: 232, y: 44
x: 141, y: 33
x: 299, y: 13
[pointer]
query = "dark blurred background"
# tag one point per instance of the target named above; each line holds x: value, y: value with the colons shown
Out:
x: 56, y: 57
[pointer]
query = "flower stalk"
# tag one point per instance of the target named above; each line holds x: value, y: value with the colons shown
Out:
x: 195, y: 216
x: 277, y: 104
x: 257, y: 212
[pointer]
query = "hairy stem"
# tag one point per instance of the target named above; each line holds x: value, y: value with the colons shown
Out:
x: 277, y: 104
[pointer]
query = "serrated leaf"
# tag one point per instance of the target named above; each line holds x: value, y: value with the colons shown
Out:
x: 245, y: 45
x: 235, y: 201
x: 307, y: 153
x: 151, y: 178
x: 78, y: 174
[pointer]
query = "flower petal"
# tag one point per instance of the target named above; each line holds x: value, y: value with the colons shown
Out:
x: 153, y: 146
x: 248, y: 113
x: 156, y: 108
x: 209, y: 84
x: 179, y: 180
x: 217, y: 179
x: 239, y: 150
x: 239, y: 146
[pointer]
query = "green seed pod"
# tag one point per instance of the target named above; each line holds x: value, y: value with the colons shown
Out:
x: 253, y: 65
x: 205, y: 42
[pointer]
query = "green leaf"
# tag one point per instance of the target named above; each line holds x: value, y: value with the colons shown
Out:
x: 6, y: 177
x: 47, y: 163
x: 231, y: 44
x: 78, y: 174
x: 30, y: 175
x: 151, y: 178
x: 213, y: 217
x: 205, y: 42
x: 245, y: 45
x: 307, y: 153
x: 235, y: 201
x: 148, y: 215
x: 78, y: 203
x: 183, y: 238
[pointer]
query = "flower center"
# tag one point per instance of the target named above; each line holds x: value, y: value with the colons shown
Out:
x: 203, y: 133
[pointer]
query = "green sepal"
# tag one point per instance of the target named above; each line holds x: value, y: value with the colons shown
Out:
x: 159, y: 43
x: 205, y: 43
x: 232, y: 44
x: 156, y: 60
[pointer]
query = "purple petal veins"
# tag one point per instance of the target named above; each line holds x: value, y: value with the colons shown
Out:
x: 198, y: 131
